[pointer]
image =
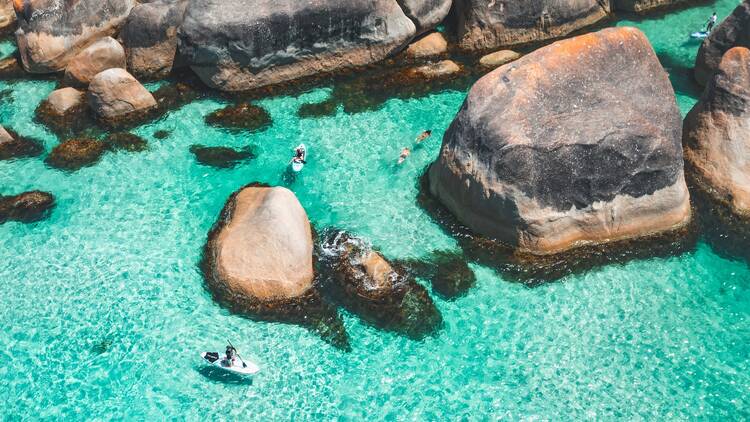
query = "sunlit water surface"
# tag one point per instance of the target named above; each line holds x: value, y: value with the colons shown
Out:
x: 104, y: 311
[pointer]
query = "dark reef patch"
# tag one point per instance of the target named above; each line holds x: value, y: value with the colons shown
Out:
x: 240, y: 117
x: 20, y: 147
x: 26, y: 207
x: 449, y: 273
x: 76, y: 153
x: 124, y: 141
x: 221, y: 157
x: 162, y: 134
x: 321, y: 109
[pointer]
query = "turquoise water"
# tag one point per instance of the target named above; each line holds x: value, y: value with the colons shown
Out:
x: 104, y: 310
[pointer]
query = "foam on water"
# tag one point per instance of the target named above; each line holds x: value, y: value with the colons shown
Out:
x: 104, y: 310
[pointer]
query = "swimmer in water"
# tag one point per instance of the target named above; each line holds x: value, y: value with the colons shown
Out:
x: 424, y: 135
x: 404, y: 153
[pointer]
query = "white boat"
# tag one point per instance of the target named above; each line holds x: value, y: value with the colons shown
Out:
x: 238, y: 367
x: 299, y: 163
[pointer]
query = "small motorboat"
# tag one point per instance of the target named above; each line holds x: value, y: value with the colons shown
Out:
x: 239, y: 366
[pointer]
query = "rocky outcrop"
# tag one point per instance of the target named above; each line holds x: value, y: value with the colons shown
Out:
x: 26, y: 207
x: 63, y: 109
x: 443, y: 69
x: 150, y: 37
x: 717, y: 134
x: 7, y: 17
x: 243, y: 116
x: 380, y: 292
x: 14, y: 146
x: 429, y: 46
x: 641, y: 6
x: 115, y: 96
x: 221, y: 157
x: 498, y: 58
x: 233, y: 47
x: 486, y: 25
x: 124, y: 141
x: 51, y: 32
x: 426, y: 14
x: 734, y: 31
x: 75, y: 154
x: 576, y: 143
x: 103, y: 54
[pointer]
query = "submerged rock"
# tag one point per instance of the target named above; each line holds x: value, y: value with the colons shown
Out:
x: 150, y: 37
x: 585, y: 151
x: 116, y: 97
x: 432, y: 45
x: 51, y: 32
x: 221, y: 157
x: 162, y: 134
x: 124, y: 141
x: 322, y: 109
x: 64, y: 110
x: 233, y: 47
x: 242, y: 116
x: 104, y: 54
x: 14, y: 146
x: 498, y: 58
x: 716, y: 134
x: 74, y: 154
x: 381, y: 293
x: 449, y: 273
x: 485, y: 25
x: 734, y: 31
x: 26, y: 207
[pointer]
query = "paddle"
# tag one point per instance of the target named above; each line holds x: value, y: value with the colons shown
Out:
x: 244, y: 365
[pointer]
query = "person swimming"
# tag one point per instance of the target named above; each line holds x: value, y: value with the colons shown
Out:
x: 424, y: 135
x: 404, y: 153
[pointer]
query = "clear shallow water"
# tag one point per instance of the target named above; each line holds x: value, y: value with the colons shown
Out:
x: 104, y: 310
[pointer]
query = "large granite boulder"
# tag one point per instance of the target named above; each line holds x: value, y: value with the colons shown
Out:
x: 426, y: 14
x: 150, y: 37
x: 234, y: 47
x: 261, y: 249
x: 26, y: 207
x: 484, y: 25
x: 641, y: 6
x: 7, y: 17
x: 51, y: 32
x: 103, y: 54
x: 732, y: 31
x: 717, y: 133
x: 116, y: 96
x: 576, y: 143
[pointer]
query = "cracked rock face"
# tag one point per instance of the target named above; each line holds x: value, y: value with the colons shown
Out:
x: 717, y: 133
x: 51, y: 32
x: 485, y: 25
x: 576, y: 143
x: 233, y: 47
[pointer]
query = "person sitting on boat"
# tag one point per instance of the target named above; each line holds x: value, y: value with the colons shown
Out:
x: 231, y: 353
x: 711, y: 22
x: 424, y: 135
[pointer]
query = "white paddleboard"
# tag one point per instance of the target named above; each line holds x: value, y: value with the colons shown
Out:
x: 216, y: 360
x: 699, y: 34
x: 298, y: 166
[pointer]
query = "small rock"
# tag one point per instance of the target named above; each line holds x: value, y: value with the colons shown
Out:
x: 221, y: 157
x: 124, y: 141
x: 432, y: 45
x: 62, y: 101
x: 322, y: 109
x: 243, y: 116
x: 161, y: 134
x: 104, y: 54
x: 26, y: 207
x: 116, y: 96
x: 440, y: 70
x: 498, y: 58
x: 14, y: 146
x: 74, y: 154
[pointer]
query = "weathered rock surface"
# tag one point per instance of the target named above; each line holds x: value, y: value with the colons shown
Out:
x: 221, y: 157
x: 64, y: 111
x: 243, y: 116
x: 115, y: 96
x: 498, y: 58
x: 7, y: 17
x: 734, y: 31
x: 234, y: 47
x: 485, y: 25
x: 150, y: 37
x: 75, y: 154
x: 576, y: 143
x: 717, y: 133
x: 426, y: 14
x: 51, y: 32
x: 432, y: 45
x: 261, y: 249
x: 380, y: 292
x: 26, y: 207
x: 640, y: 6
x: 439, y: 70
x: 14, y: 146
x: 62, y: 101
x: 103, y: 54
